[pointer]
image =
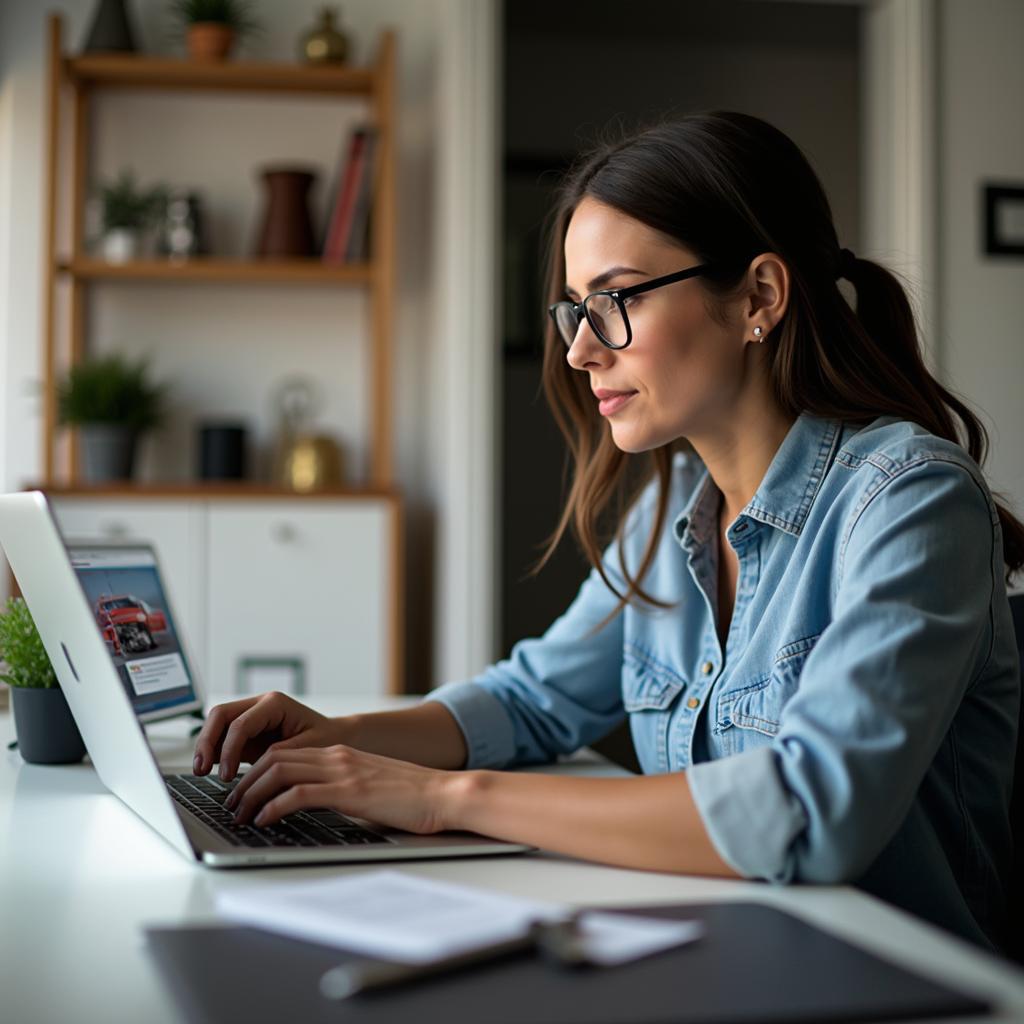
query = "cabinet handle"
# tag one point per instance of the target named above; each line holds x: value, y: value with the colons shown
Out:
x: 283, y: 533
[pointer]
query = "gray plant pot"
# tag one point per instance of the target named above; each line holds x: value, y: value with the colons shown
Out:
x: 47, y: 733
x: 108, y: 452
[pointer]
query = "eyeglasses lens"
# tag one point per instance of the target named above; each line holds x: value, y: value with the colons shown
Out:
x: 567, y: 321
x: 606, y: 317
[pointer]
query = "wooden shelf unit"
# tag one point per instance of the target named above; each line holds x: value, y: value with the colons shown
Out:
x: 310, y: 271
x: 83, y: 78
x: 142, y: 72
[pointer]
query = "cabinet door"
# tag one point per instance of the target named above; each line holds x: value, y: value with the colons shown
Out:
x: 175, y: 529
x: 301, y: 581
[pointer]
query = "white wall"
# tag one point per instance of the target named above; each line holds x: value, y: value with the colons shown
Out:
x: 223, y: 347
x: 981, y: 139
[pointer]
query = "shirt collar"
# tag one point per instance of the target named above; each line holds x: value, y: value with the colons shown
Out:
x: 786, y: 493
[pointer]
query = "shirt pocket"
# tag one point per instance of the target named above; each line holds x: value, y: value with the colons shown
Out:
x: 649, y: 689
x: 647, y: 685
x: 749, y: 716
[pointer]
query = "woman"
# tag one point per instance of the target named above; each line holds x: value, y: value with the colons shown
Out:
x: 803, y: 613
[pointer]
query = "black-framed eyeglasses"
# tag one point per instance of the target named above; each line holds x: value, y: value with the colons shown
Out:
x: 606, y: 310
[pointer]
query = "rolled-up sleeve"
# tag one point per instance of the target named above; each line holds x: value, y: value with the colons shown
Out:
x: 910, y: 631
x: 556, y: 693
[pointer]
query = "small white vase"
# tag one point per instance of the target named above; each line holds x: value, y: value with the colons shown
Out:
x: 120, y: 245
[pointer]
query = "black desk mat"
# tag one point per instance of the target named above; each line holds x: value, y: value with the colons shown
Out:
x: 755, y: 963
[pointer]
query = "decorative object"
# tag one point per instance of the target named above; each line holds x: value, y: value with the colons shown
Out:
x: 111, y: 29
x: 112, y: 402
x: 181, y: 227
x: 47, y: 733
x: 304, y: 461
x: 286, y: 229
x: 212, y: 27
x: 222, y: 451
x: 1004, y: 220
x: 127, y: 211
x: 324, y: 44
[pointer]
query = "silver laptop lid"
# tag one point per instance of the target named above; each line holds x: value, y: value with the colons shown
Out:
x: 101, y: 707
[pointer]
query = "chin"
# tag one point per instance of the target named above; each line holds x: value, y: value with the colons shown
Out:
x: 634, y: 441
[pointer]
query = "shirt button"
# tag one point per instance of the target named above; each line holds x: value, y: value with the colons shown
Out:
x: 693, y: 702
x: 708, y: 667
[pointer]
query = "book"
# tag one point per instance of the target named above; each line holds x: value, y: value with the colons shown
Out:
x: 342, y: 209
x: 357, y: 243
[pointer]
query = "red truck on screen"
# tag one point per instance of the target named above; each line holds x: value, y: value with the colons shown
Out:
x: 128, y: 623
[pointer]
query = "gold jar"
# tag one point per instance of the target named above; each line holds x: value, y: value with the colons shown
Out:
x: 324, y: 44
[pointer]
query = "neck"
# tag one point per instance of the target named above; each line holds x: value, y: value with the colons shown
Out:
x: 739, y: 451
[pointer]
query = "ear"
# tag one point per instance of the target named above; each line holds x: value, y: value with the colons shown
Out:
x: 767, y: 295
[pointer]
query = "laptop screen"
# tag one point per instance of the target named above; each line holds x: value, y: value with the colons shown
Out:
x: 128, y: 603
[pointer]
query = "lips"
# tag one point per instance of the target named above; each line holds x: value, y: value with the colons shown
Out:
x: 609, y: 401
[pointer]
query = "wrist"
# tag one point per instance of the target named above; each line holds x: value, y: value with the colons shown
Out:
x: 345, y: 729
x: 460, y: 794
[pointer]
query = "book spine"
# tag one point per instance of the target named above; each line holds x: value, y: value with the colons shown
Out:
x: 334, y: 245
x: 357, y: 247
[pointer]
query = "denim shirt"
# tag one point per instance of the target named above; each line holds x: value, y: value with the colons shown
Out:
x: 859, y: 724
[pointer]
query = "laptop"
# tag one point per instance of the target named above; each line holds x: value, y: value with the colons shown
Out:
x: 108, y: 627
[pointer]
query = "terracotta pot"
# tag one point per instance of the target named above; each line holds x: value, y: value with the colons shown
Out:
x: 210, y: 40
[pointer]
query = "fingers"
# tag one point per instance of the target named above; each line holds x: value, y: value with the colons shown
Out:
x: 273, y: 783
x: 266, y: 714
x: 209, y: 739
x: 275, y: 755
x: 298, y: 798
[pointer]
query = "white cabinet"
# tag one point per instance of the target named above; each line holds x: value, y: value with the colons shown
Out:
x: 310, y: 580
x: 301, y: 579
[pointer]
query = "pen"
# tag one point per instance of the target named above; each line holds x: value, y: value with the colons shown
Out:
x: 554, y: 938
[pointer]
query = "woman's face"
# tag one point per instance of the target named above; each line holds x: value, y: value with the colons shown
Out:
x: 683, y: 370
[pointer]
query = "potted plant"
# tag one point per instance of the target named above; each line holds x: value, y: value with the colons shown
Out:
x: 127, y: 211
x: 112, y: 401
x: 212, y: 27
x: 47, y: 733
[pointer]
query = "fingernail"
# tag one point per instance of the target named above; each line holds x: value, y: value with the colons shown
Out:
x: 224, y: 773
x: 197, y: 764
x: 261, y: 819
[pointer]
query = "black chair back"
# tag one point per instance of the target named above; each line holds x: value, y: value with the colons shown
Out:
x: 1017, y: 806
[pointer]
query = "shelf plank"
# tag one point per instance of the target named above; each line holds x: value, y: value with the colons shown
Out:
x: 307, y: 271
x: 135, y: 71
x: 243, y: 489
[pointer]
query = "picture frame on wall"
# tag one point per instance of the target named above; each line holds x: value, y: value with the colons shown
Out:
x: 1004, y: 220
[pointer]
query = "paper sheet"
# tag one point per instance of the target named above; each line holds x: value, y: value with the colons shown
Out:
x: 401, y: 917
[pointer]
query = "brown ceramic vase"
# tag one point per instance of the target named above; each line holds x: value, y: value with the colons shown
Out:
x: 286, y: 230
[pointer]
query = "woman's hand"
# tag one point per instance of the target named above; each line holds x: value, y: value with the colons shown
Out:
x: 244, y: 730
x: 395, y: 793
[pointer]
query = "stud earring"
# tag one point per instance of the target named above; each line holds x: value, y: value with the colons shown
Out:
x: 757, y: 335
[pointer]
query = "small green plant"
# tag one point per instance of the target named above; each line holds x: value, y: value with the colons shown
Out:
x: 111, y: 389
x: 27, y: 662
x: 236, y: 14
x: 125, y: 205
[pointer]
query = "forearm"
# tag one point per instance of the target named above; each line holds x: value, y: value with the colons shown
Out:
x: 649, y: 823
x: 426, y: 734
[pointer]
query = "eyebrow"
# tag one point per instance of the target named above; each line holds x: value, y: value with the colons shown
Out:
x: 595, y: 284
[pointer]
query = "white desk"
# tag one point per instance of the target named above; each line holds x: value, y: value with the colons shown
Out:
x: 81, y: 875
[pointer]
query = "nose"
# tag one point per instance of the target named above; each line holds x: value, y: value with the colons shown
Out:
x: 586, y: 350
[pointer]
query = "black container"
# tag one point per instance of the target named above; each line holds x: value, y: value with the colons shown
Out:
x: 222, y: 451
x: 47, y: 733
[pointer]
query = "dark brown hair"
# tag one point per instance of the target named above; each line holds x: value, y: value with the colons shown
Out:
x: 728, y: 187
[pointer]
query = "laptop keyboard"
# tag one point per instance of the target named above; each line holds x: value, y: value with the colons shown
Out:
x: 204, y: 797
